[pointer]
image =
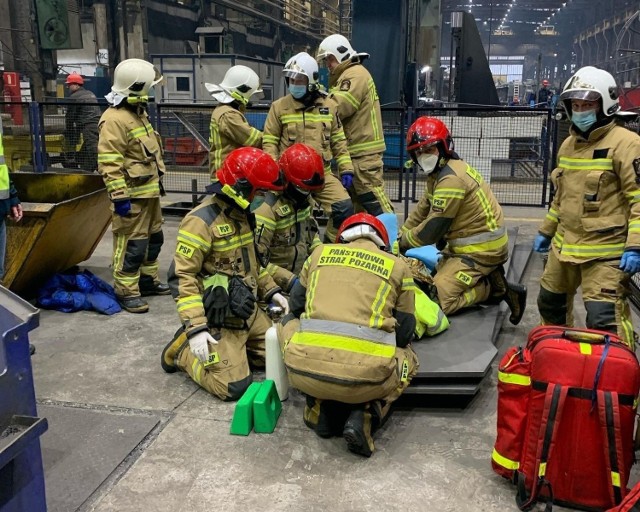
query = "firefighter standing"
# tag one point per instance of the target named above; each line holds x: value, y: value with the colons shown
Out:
x: 285, y: 227
x: 350, y: 353
x: 593, y: 224
x: 130, y: 161
x: 306, y: 115
x: 353, y: 89
x: 229, y: 129
x: 82, y: 118
x: 458, y: 209
x: 544, y: 94
x: 216, y: 279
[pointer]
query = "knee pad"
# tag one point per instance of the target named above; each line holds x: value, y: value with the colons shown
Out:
x: 134, y: 255
x: 155, y: 244
x: 552, y: 307
x: 601, y: 315
x: 237, y: 389
x: 340, y: 210
x: 370, y: 203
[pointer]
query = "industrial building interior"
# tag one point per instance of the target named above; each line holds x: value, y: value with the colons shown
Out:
x: 91, y: 423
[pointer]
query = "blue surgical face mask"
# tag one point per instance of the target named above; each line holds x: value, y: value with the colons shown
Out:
x: 584, y: 120
x: 298, y: 91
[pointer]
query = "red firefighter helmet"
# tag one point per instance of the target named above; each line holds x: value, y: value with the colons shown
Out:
x: 376, y: 227
x: 74, y: 78
x: 247, y: 170
x: 426, y: 132
x: 302, y: 167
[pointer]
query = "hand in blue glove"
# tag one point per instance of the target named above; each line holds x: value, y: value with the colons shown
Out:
x: 122, y: 208
x: 427, y: 254
x: 347, y: 180
x: 541, y: 243
x: 630, y: 261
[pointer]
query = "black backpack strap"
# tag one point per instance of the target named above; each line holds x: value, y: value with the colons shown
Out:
x: 609, y: 412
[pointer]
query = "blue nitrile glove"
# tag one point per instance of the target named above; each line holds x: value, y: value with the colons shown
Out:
x: 390, y: 222
x: 122, y: 208
x: 630, y: 261
x: 347, y: 180
x: 427, y: 254
x: 541, y: 243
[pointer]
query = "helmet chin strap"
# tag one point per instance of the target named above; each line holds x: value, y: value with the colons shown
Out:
x: 229, y: 191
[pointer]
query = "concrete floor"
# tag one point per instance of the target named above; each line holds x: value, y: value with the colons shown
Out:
x: 429, y: 457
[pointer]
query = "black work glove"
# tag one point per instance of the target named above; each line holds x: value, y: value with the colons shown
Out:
x: 216, y: 305
x: 242, y: 302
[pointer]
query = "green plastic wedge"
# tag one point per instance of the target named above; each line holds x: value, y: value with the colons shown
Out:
x: 266, y: 408
x: 242, y: 421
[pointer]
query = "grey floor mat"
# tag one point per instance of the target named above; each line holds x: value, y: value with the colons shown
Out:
x: 81, y: 449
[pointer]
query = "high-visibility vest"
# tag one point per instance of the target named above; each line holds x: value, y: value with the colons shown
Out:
x: 430, y: 319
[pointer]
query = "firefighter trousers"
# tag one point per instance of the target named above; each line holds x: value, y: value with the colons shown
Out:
x: 605, y: 289
x: 368, y: 185
x: 336, y: 203
x: 137, y: 240
x: 461, y: 282
x: 229, y: 374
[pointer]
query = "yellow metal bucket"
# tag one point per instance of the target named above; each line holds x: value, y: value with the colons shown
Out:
x: 65, y: 216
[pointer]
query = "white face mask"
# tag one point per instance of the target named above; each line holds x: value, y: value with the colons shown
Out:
x: 427, y: 162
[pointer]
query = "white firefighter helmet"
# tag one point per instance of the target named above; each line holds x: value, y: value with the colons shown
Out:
x: 302, y: 64
x: 592, y: 84
x: 239, y: 84
x: 338, y: 46
x: 135, y: 77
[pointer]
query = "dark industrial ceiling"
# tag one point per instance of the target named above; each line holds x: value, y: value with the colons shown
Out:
x: 529, y: 19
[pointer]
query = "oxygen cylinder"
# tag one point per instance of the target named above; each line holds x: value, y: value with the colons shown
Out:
x: 275, y: 368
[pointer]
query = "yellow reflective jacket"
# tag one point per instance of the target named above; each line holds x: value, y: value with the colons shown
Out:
x: 288, y: 232
x: 358, y: 303
x: 229, y: 130
x: 458, y: 196
x: 595, y: 213
x: 215, y: 238
x: 129, y: 154
x: 354, y: 91
x: 290, y: 121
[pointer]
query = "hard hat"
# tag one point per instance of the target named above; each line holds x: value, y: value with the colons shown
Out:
x: 302, y: 167
x: 592, y: 84
x: 135, y: 77
x: 302, y: 64
x: 239, y: 84
x: 74, y: 78
x: 338, y: 46
x: 545, y: 82
x: 426, y: 132
x: 247, y: 170
x: 363, y: 225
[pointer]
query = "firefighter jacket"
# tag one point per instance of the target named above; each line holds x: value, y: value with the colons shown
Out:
x: 317, y: 125
x: 8, y: 192
x: 129, y: 154
x: 229, y: 130
x: 356, y: 304
x: 83, y: 110
x: 458, y: 208
x: 215, y: 242
x: 359, y: 108
x: 287, y: 231
x: 595, y: 213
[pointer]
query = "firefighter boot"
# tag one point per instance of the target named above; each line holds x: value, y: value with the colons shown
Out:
x: 134, y: 304
x: 516, y: 299
x: 149, y: 287
x: 172, y: 351
x: 357, y: 432
x: 325, y: 417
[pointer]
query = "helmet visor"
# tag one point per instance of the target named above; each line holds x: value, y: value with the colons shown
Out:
x: 294, y: 73
x: 580, y: 94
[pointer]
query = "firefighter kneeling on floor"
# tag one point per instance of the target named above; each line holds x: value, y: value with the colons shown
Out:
x: 459, y: 211
x: 216, y: 280
x: 350, y: 353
